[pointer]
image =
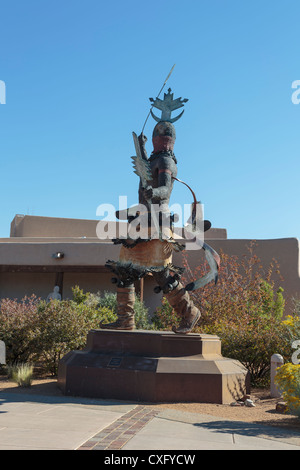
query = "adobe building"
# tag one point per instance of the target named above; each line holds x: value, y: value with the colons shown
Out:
x: 42, y: 252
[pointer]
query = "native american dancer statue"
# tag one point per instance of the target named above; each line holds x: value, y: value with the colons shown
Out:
x: 151, y: 252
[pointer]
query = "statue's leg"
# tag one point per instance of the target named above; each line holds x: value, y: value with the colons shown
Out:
x: 125, y: 310
x: 180, y: 300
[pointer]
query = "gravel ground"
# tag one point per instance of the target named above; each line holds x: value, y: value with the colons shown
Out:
x: 264, y: 411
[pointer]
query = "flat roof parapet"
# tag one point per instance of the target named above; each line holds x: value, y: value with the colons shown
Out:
x: 31, y: 226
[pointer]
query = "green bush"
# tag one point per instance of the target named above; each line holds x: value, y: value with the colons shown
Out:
x: 108, y: 300
x: 62, y: 326
x: 95, y: 300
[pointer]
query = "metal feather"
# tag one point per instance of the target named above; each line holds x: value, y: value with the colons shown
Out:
x: 142, y: 169
x: 213, y: 260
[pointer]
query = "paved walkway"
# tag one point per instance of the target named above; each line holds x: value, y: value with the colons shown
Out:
x: 38, y: 422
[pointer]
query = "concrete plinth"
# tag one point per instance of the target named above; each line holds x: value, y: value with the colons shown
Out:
x: 152, y: 366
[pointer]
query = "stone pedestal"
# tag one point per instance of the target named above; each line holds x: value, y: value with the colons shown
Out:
x: 152, y: 366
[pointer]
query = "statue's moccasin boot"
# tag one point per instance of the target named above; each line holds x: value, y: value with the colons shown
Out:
x: 180, y: 300
x: 187, y: 324
x: 125, y: 311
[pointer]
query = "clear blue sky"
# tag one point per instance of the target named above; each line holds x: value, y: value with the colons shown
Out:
x: 78, y: 78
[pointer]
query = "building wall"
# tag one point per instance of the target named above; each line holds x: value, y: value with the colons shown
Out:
x: 95, y: 283
x: 19, y: 285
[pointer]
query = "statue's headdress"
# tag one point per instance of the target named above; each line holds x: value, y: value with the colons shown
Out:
x: 164, y: 133
x: 167, y: 106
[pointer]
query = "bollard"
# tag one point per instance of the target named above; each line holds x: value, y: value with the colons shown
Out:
x: 2, y: 353
x: 276, y: 361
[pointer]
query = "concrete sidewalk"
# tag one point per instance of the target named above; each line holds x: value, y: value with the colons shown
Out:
x: 38, y: 422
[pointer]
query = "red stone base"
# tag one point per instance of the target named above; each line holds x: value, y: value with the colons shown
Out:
x: 152, y: 366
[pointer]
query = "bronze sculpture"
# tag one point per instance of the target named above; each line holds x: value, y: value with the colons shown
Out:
x: 151, y: 251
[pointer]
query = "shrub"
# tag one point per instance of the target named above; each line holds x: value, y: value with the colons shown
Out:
x: 78, y: 295
x: 287, y: 379
x: 17, y: 327
x: 95, y: 300
x: 21, y: 374
x: 108, y: 300
x: 252, y: 343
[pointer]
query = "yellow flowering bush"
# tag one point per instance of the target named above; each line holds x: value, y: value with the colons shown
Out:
x: 288, y: 381
x: 292, y: 322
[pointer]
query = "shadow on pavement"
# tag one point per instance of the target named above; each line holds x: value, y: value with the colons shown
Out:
x: 247, y: 429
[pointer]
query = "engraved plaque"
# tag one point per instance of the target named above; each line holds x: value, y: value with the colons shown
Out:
x: 115, y: 362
